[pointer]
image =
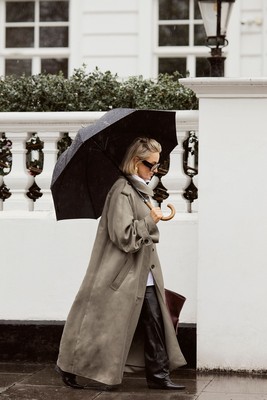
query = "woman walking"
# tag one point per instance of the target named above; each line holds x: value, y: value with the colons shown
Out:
x: 119, y: 321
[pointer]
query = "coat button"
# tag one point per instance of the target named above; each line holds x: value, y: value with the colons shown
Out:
x: 152, y: 266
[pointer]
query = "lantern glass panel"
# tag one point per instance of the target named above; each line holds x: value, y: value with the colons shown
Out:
x: 209, y: 12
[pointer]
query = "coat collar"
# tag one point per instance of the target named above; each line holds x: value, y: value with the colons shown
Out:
x: 142, y: 187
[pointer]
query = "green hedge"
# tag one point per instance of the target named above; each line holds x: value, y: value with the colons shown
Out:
x: 94, y: 91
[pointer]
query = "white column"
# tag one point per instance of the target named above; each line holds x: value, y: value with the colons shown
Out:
x: 232, y: 260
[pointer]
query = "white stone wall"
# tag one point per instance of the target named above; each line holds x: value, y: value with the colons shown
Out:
x: 43, y: 263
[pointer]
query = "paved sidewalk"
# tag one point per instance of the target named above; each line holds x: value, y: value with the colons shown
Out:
x: 20, y: 381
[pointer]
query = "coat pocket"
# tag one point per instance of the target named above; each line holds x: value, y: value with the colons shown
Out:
x: 121, y: 275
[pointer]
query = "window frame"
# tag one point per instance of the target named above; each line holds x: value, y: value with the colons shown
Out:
x: 35, y: 53
x: 190, y: 53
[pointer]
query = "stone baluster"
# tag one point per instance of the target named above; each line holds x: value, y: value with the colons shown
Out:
x: 5, y: 166
x: 176, y: 180
x: 18, y: 179
x: 190, y: 166
x: 43, y: 180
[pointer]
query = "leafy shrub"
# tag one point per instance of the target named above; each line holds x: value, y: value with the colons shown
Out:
x: 94, y: 91
x: 164, y: 93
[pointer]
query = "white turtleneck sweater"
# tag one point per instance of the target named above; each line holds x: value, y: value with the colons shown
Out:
x: 150, y: 280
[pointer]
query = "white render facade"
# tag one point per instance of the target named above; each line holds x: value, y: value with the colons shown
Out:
x: 127, y: 42
x: 122, y: 36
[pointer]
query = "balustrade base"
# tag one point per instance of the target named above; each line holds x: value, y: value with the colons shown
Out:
x: 38, y: 341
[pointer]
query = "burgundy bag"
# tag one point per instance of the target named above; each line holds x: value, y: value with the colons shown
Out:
x: 174, y: 302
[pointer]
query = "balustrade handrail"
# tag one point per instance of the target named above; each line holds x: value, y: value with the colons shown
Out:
x: 26, y: 186
x: 19, y: 121
x: 39, y: 121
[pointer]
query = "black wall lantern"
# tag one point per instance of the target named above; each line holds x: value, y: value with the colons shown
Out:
x: 216, y: 15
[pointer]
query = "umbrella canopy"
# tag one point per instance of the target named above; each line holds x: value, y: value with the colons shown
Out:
x: 85, y: 172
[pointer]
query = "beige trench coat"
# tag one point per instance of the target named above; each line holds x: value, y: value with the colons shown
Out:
x: 98, y: 340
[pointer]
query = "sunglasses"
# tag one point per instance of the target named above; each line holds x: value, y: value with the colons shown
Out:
x: 152, y: 167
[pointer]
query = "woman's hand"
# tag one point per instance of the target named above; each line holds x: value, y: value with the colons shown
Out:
x: 156, y: 214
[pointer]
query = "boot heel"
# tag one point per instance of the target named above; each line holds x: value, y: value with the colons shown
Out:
x: 164, y: 384
x: 68, y: 378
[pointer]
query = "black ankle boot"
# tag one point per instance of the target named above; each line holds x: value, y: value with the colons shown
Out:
x: 163, y: 384
x: 68, y: 378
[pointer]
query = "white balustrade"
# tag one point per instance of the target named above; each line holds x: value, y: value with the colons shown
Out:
x: 49, y: 126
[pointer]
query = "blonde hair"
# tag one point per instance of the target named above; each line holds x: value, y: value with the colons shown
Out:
x: 140, y: 148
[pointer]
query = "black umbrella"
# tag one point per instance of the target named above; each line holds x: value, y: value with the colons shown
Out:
x: 85, y: 172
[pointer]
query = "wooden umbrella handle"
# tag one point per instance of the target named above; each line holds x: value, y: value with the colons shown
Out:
x: 171, y: 207
x: 172, y: 214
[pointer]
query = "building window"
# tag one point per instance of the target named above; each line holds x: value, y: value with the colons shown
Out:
x: 169, y: 65
x: 181, y: 38
x: 36, y: 37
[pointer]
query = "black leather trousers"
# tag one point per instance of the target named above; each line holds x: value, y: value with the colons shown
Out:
x: 156, y: 358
